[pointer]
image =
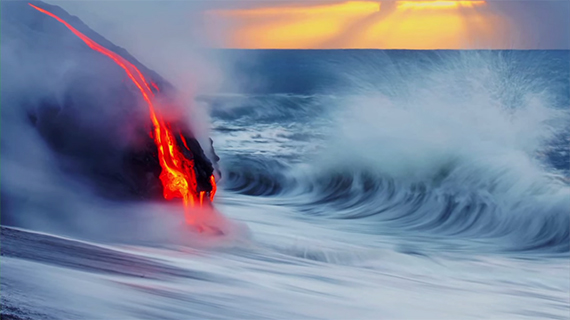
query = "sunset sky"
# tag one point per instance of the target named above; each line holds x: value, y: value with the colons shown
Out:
x: 391, y: 25
x: 447, y: 24
x: 363, y: 24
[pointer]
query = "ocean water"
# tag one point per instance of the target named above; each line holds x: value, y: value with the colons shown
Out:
x: 359, y: 184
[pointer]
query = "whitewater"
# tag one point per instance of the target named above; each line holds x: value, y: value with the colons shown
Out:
x: 361, y: 184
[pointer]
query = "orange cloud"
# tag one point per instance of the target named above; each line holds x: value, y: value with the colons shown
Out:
x: 362, y: 24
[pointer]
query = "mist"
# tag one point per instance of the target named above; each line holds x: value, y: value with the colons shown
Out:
x: 75, y: 140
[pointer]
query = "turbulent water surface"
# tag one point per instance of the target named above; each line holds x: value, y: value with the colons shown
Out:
x: 362, y: 185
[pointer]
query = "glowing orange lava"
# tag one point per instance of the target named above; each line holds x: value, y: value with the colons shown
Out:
x: 178, y: 176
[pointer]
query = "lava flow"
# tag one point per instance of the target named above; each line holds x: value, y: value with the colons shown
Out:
x: 178, y: 176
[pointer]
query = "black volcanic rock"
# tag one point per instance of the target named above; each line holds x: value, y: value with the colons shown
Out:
x: 82, y: 104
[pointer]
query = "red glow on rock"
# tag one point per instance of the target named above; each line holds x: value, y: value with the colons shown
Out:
x: 178, y: 176
x: 154, y: 86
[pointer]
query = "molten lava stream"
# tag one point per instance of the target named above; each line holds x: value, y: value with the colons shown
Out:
x: 178, y: 176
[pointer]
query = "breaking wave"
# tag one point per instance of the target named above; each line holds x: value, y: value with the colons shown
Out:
x: 466, y: 148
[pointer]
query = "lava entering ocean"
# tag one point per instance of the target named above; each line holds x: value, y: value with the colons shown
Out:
x: 178, y: 175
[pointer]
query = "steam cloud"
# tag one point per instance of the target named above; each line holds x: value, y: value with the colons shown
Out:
x: 72, y: 128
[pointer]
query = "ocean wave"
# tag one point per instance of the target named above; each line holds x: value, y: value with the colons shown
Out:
x: 455, y: 144
x: 268, y: 108
x: 496, y: 206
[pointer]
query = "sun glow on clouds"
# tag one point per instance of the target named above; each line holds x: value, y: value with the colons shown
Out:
x: 362, y: 24
x: 290, y: 27
x: 418, y: 5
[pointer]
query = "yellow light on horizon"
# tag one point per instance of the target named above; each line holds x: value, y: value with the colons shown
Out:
x: 419, y: 5
x: 442, y: 24
x: 292, y: 27
x: 345, y: 7
x: 422, y: 25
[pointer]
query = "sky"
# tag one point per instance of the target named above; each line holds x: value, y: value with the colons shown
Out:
x: 363, y: 24
x: 169, y: 36
x: 334, y: 24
